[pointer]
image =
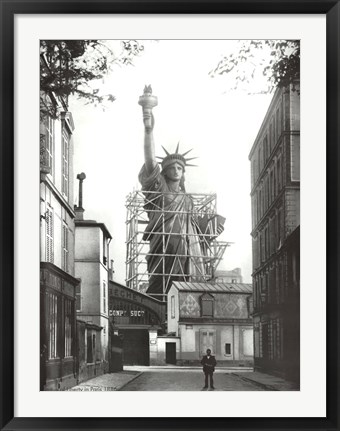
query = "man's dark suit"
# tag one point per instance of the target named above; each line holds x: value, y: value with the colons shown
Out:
x: 209, y: 363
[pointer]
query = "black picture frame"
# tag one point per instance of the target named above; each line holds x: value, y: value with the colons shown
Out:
x: 8, y: 10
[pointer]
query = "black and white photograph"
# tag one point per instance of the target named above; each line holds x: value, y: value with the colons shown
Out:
x: 169, y: 215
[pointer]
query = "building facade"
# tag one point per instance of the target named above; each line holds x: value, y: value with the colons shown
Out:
x: 275, y: 202
x: 228, y: 276
x: 57, y: 234
x: 211, y: 315
x: 136, y: 319
x: 92, y: 241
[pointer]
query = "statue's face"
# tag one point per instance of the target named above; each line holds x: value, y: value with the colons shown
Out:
x: 174, y: 172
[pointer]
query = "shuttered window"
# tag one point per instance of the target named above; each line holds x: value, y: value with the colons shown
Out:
x: 49, y: 142
x: 172, y: 307
x: 104, y: 297
x: 49, y: 234
x: 207, y: 341
x: 207, y: 308
x: 78, y: 297
x: 68, y: 327
x: 65, y: 247
x: 53, y: 315
x: 65, y: 162
x: 207, y: 305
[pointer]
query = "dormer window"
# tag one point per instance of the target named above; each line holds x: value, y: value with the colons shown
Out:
x: 207, y: 305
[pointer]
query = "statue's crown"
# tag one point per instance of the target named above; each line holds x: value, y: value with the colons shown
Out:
x: 169, y: 159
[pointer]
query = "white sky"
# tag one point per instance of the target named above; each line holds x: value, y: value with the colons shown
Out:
x: 193, y: 108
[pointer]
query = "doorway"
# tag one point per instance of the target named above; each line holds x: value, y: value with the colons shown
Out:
x: 170, y: 353
x: 135, y: 346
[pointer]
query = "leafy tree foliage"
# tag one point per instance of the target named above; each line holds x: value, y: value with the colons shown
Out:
x: 273, y: 63
x: 67, y: 67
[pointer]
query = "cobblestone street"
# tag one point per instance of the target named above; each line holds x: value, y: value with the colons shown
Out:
x: 141, y: 378
x: 188, y: 380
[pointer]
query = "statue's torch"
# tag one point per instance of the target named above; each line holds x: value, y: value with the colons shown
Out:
x: 148, y: 102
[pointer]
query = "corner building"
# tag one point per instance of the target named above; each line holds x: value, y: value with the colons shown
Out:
x: 275, y: 202
x: 215, y: 316
x: 58, y: 355
x: 91, y: 258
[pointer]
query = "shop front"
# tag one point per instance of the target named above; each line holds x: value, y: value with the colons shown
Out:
x: 133, y: 316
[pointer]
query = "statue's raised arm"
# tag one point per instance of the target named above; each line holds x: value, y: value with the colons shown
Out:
x: 180, y: 228
x: 148, y: 102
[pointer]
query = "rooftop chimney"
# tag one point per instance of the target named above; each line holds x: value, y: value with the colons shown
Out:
x: 79, y: 210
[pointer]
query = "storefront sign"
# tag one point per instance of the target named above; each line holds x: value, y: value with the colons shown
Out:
x: 127, y: 294
x: 125, y: 313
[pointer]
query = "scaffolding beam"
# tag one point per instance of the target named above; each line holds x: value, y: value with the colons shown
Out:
x: 202, y: 264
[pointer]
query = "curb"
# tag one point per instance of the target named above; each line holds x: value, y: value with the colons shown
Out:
x: 126, y: 383
x: 256, y: 382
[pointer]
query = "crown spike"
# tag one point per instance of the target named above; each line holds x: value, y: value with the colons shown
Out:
x: 175, y: 157
x: 166, y: 152
x: 189, y: 164
x: 184, y: 154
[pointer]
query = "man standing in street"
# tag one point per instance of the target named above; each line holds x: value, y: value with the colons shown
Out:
x: 209, y: 363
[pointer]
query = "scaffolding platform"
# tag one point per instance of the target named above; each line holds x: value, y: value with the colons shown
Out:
x: 196, y: 263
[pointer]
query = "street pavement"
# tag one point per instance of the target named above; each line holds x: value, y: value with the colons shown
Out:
x: 137, y: 378
x: 187, y: 380
x: 268, y: 381
x: 107, y: 382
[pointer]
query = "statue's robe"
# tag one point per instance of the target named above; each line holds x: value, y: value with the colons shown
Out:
x: 175, y: 252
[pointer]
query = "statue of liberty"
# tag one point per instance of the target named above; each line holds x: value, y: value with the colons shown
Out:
x: 174, y: 231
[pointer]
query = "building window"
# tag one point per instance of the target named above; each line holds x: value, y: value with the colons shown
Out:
x: 49, y: 234
x: 279, y: 174
x: 104, y: 297
x: 207, y: 305
x: 52, y: 316
x: 91, y: 347
x: 265, y: 340
x: 227, y: 348
x: 68, y: 327
x: 264, y: 149
x: 65, y: 162
x: 272, y: 129
x: 78, y: 297
x: 295, y: 158
x: 172, y: 307
x: 279, y: 229
x: 278, y: 121
x: 253, y: 174
x: 207, y: 341
x: 104, y: 251
x: 49, y: 142
x: 272, y: 192
x: 94, y: 345
x: 65, y: 248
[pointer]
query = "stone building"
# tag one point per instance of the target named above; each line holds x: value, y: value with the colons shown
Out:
x: 210, y: 315
x: 136, y: 319
x: 57, y: 235
x: 228, y: 276
x: 275, y: 201
x: 92, y: 241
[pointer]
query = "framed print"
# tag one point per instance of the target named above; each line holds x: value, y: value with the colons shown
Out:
x: 169, y: 181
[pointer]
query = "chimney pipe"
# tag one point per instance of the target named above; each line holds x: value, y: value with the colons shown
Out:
x: 79, y: 209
